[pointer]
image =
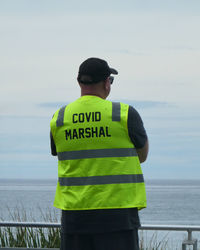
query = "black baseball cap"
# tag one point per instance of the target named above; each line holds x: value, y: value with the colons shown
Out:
x: 94, y: 70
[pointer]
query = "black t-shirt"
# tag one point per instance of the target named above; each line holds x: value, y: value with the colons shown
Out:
x: 99, y: 221
x: 106, y: 220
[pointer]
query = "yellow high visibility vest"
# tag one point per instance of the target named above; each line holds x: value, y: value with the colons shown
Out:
x: 98, y: 166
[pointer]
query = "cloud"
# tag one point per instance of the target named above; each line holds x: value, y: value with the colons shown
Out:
x: 136, y: 103
x: 181, y: 48
x: 51, y: 104
x: 146, y: 104
x: 125, y: 51
x: 50, y: 6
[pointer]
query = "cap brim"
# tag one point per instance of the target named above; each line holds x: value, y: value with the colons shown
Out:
x: 113, y: 71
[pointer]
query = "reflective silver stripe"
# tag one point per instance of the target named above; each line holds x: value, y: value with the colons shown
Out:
x: 100, y: 180
x: 97, y: 153
x: 116, y: 110
x: 60, y: 119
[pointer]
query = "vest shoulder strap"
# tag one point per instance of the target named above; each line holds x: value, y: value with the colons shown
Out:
x: 116, y: 111
x: 60, y: 119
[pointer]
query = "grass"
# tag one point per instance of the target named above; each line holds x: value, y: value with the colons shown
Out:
x: 27, y: 237
x: 30, y: 237
x: 153, y: 242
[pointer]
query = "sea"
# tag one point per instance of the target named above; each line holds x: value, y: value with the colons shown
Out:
x: 169, y: 202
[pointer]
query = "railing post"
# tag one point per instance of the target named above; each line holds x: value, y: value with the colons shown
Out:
x: 183, y: 246
x: 189, y: 241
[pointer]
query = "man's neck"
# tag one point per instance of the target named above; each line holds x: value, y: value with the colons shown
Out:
x: 84, y: 93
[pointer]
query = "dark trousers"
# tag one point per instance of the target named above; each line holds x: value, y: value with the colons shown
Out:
x: 120, y: 240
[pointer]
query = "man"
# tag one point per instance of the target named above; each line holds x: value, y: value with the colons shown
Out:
x: 100, y: 145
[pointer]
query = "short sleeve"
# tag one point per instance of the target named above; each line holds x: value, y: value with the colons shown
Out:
x: 136, y: 128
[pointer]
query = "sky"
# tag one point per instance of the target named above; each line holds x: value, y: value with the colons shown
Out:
x: 154, y: 45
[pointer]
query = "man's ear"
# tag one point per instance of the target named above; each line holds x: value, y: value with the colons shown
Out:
x: 107, y: 84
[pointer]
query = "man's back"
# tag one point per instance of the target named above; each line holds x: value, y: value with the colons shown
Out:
x: 99, y: 145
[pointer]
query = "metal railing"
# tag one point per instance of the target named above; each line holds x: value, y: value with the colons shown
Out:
x: 186, y: 228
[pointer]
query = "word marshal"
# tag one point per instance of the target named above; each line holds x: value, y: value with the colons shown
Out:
x: 88, y: 132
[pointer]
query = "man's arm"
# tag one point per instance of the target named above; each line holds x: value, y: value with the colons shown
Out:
x: 138, y: 134
x: 53, y: 146
x: 143, y: 152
